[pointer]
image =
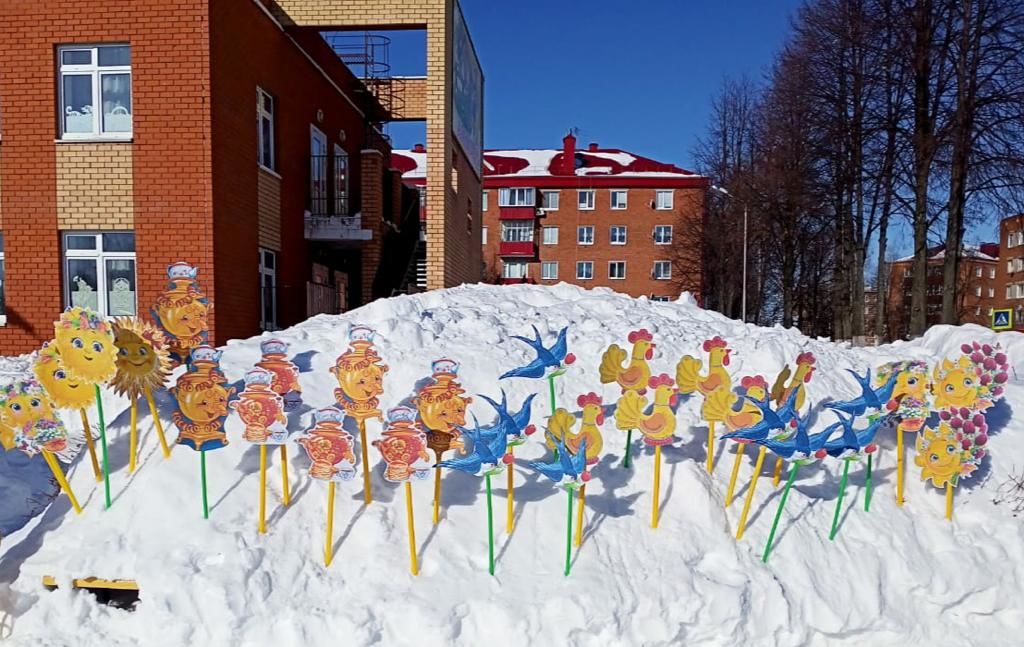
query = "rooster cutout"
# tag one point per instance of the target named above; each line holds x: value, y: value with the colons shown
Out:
x: 736, y: 408
x: 804, y: 371
x: 658, y: 425
x: 561, y: 423
x: 690, y: 380
x: 631, y: 376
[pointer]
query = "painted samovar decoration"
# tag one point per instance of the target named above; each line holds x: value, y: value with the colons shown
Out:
x: 442, y: 408
x: 202, y: 401
x: 285, y: 372
x: 360, y: 374
x: 330, y: 448
x: 261, y: 409
x: 182, y: 311
x: 403, y: 446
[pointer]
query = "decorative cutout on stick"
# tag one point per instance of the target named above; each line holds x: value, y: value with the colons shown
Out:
x: 331, y: 451
x: 690, y: 380
x: 629, y: 376
x: 182, y: 311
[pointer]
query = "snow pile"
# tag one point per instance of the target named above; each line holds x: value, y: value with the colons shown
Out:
x: 891, y: 574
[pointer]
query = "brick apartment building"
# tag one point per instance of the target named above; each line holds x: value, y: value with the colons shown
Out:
x: 592, y: 217
x: 228, y: 134
x: 979, y: 288
x: 1010, y: 272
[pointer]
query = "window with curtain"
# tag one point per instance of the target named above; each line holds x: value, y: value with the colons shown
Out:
x: 95, y: 88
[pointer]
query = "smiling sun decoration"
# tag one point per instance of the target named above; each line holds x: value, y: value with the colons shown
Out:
x: 86, y: 345
x: 143, y: 361
x: 65, y: 391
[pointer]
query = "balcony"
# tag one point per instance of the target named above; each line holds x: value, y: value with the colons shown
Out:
x: 337, y: 229
x: 511, y: 281
x: 525, y: 249
x: 517, y: 213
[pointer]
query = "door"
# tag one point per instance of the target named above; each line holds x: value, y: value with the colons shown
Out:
x: 318, y: 157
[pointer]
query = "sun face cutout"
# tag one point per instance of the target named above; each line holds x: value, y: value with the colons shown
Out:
x: 65, y: 391
x: 23, y: 403
x: 143, y: 362
x: 86, y: 345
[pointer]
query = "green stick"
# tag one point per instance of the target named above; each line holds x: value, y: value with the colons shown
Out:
x: 839, y: 501
x: 867, y: 491
x: 490, y: 528
x: 778, y: 513
x: 568, y: 535
x: 202, y: 466
x: 629, y: 448
x: 103, y: 439
x: 551, y: 388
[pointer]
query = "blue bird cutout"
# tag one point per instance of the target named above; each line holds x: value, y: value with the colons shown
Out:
x: 487, y: 456
x: 566, y: 466
x: 771, y: 419
x: 869, y: 398
x: 546, y: 357
x: 853, y: 444
x: 513, y: 426
x: 801, y: 448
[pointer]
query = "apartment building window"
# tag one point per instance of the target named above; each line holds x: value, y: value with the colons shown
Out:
x: 95, y: 91
x: 991, y: 272
x: 617, y: 236
x: 483, y: 235
x: 317, y: 172
x: 510, y: 197
x: 977, y: 311
x: 517, y: 231
x: 268, y: 289
x: 585, y: 235
x: 549, y: 200
x: 906, y: 273
x: 265, y: 131
x: 549, y: 270
x: 662, y: 270
x: 484, y: 202
x: 340, y: 181
x: 585, y: 199
x: 550, y: 235
x: 618, y: 199
x: 663, y: 234
x: 617, y: 269
x: 991, y: 292
x: 977, y: 272
x: 3, y: 307
x: 584, y: 270
x: 663, y: 199
x: 99, y: 272
x: 513, y: 270
x: 977, y: 291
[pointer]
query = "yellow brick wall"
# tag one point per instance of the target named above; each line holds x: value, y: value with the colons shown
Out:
x: 410, y: 98
x: 268, y: 209
x: 94, y: 186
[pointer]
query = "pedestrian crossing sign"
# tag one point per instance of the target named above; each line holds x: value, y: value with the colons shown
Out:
x: 1002, y: 319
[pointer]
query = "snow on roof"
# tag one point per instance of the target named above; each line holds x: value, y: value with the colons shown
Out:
x: 545, y: 162
x: 938, y: 253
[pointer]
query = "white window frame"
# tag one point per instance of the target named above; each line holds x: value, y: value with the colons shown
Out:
x: 991, y: 272
x: 655, y: 234
x: 991, y: 293
x: 613, y: 194
x: 484, y: 201
x: 669, y: 204
x: 585, y: 204
x: 270, y: 273
x: 655, y: 274
x: 483, y: 235
x: 544, y: 266
x: 517, y: 197
x: 507, y: 265
x: 524, y: 231
x: 553, y: 193
x: 262, y: 96
x: 580, y: 229
x: 96, y: 73
x: 100, y: 257
x: 977, y: 291
x: 617, y: 278
x: 612, y: 237
x: 340, y: 182
x: 580, y: 265
x: 977, y: 272
x: 552, y: 240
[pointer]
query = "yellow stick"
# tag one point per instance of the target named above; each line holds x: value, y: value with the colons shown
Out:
x: 711, y: 446
x: 579, y: 515
x: 750, y: 494
x: 133, y: 436
x: 949, y: 501
x: 91, y: 445
x: 657, y: 486
x: 437, y: 492
x: 329, y: 547
x: 51, y: 460
x: 777, y: 474
x: 899, y: 466
x: 156, y: 422
x: 510, y: 520
x: 413, y: 563
x: 735, y: 473
x: 263, y: 490
x: 287, y: 495
x: 367, y: 493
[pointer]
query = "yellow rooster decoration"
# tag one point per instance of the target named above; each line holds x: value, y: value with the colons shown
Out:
x: 690, y: 380
x: 802, y: 375
x: 634, y: 375
x: 561, y: 423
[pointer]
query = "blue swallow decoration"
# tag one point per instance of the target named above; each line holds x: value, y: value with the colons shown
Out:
x: 487, y: 457
x: 771, y: 419
x: 801, y: 448
x: 853, y: 444
x: 552, y: 358
x: 566, y: 466
x: 514, y: 426
x: 869, y: 398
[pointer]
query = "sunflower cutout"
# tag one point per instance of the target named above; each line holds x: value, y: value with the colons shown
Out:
x: 85, y: 342
x: 65, y: 391
x: 143, y: 360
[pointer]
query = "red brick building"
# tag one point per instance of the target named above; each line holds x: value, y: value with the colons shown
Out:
x: 1010, y: 271
x: 591, y: 217
x: 225, y: 134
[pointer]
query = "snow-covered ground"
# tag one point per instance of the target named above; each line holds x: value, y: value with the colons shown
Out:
x: 892, y: 576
